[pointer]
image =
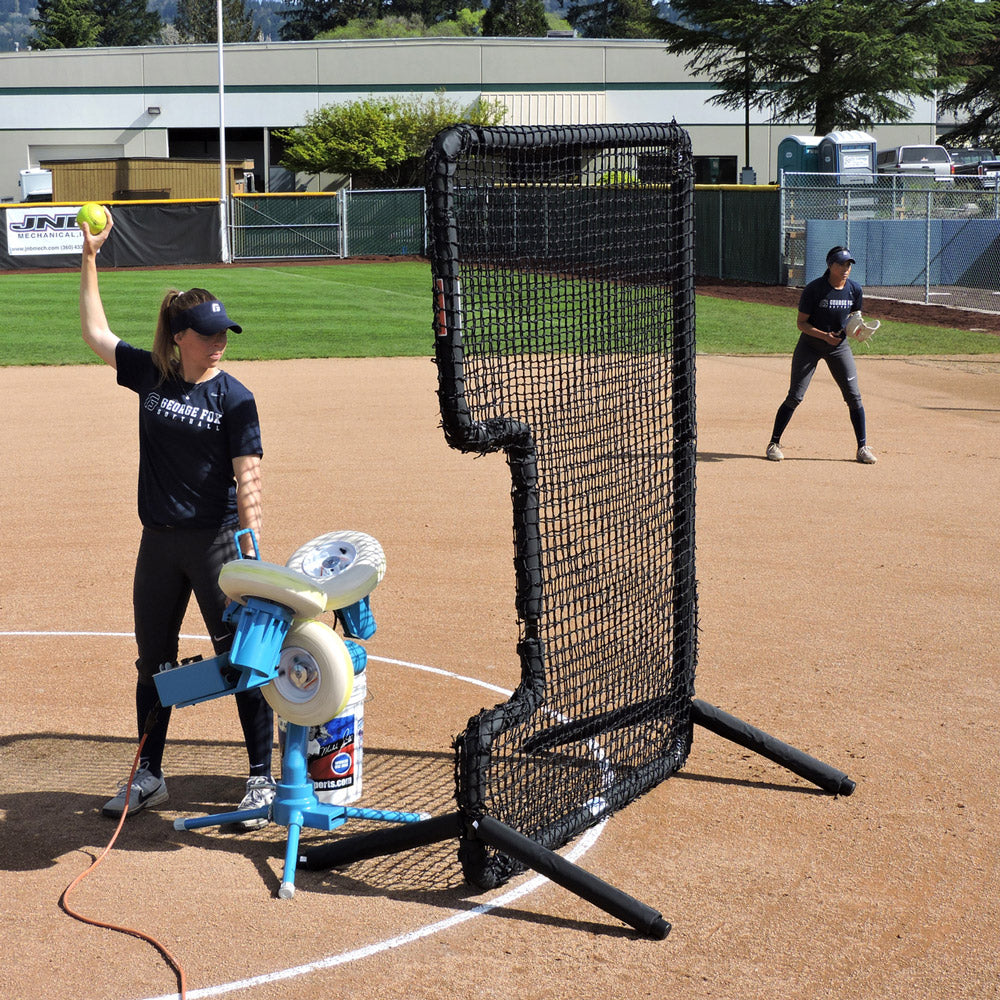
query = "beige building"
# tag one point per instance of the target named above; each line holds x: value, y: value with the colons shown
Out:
x: 164, y: 101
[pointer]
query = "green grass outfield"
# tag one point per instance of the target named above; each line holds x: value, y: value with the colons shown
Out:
x: 355, y: 310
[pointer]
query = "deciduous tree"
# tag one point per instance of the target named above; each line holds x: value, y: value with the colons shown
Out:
x: 380, y: 141
x: 306, y: 19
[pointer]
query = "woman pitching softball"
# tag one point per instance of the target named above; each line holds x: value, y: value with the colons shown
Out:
x: 199, y: 481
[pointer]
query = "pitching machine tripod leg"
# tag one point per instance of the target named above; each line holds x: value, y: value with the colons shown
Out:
x: 287, y: 888
x: 379, y: 843
x: 221, y: 819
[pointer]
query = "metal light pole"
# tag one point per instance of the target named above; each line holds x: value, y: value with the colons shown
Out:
x: 223, y: 186
x: 747, y: 175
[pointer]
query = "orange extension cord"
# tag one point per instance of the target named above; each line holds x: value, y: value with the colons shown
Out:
x: 171, y: 960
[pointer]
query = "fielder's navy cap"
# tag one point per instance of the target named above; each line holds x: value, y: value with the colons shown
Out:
x: 840, y: 255
x: 206, y: 318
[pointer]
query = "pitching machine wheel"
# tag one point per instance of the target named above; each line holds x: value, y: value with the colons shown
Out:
x: 243, y: 578
x: 315, y: 675
x: 345, y: 565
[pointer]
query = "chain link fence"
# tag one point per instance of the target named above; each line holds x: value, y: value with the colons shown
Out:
x: 267, y: 226
x: 381, y: 222
x: 914, y: 238
x: 346, y: 224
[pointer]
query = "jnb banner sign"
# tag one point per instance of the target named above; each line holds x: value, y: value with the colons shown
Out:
x: 43, y: 230
x: 147, y: 234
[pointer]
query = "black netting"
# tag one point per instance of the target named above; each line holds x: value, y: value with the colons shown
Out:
x: 563, y: 275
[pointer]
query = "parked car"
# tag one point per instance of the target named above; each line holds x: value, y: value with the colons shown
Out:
x: 964, y: 157
x: 933, y: 160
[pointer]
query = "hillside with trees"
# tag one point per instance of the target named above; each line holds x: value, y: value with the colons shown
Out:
x: 37, y: 24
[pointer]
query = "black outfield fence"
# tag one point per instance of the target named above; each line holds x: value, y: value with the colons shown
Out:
x: 146, y: 234
x: 261, y: 227
x: 738, y: 233
x: 738, y: 230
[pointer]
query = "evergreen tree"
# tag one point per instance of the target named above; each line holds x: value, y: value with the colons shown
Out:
x: 515, y: 19
x: 977, y: 101
x: 267, y: 19
x: 197, y: 21
x: 614, y: 19
x: 305, y: 19
x: 126, y: 22
x: 65, y: 24
x: 237, y: 22
x: 839, y: 64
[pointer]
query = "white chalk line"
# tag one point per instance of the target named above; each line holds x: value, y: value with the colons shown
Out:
x: 586, y: 841
x: 331, y: 961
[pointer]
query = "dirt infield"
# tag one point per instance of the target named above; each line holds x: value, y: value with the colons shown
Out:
x: 850, y: 610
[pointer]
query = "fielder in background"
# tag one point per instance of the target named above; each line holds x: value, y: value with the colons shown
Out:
x: 199, y: 481
x: 825, y: 306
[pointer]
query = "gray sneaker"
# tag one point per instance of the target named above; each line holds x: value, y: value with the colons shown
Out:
x: 260, y: 793
x: 774, y: 453
x: 146, y: 790
x: 866, y: 456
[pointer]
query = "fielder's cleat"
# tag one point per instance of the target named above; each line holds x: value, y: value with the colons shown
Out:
x: 146, y: 790
x: 260, y: 793
x: 866, y: 456
x: 774, y: 453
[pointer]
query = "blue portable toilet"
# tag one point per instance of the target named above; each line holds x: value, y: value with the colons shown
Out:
x: 848, y: 153
x: 799, y: 154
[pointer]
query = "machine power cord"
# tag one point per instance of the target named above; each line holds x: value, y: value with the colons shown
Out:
x: 63, y: 899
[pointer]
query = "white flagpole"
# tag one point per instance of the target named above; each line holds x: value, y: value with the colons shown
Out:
x: 223, y: 186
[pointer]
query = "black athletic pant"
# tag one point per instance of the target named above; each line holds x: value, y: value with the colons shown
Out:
x: 809, y: 351
x: 172, y: 564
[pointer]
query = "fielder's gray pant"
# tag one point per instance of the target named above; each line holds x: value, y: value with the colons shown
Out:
x: 839, y: 359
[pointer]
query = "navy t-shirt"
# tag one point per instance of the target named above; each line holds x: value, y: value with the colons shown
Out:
x: 189, y: 435
x: 828, y: 307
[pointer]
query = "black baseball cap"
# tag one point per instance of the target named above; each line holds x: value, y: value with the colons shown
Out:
x: 840, y: 255
x: 206, y: 318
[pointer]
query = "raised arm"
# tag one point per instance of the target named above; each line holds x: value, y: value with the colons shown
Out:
x: 93, y: 322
